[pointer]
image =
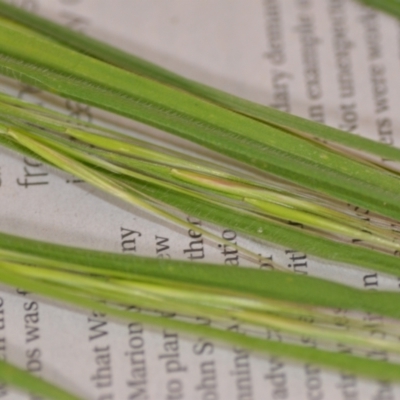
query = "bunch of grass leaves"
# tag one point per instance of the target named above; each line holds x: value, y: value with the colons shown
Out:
x: 296, y: 306
x: 317, y: 163
x: 289, y: 181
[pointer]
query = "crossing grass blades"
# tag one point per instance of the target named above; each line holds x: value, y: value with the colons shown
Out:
x: 287, y: 181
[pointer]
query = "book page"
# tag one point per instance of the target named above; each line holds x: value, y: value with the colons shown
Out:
x: 332, y: 61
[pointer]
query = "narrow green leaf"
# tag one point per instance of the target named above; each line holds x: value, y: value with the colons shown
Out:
x: 29, y: 383
x: 271, y: 284
x: 194, y: 300
x: 344, y: 362
x: 389, y: 6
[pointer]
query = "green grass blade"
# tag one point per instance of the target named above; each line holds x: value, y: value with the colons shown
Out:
x: 298, y: 211
x: 276, y: 232
x: 389, y: 6
x: 167, y: 296
x: 29, y: 383
x: 194, y: 294
x: 195, y: 301
x: 344, y: 362
x: 272, y: 284
x: 367, y: 302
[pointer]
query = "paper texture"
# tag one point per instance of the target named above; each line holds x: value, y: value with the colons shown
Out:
x: 332, y: 61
